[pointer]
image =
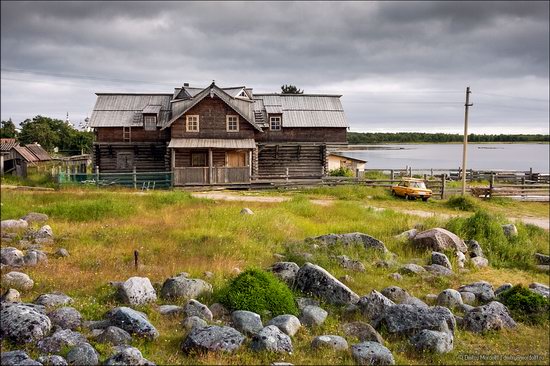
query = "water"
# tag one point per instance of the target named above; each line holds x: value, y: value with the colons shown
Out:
x: 449, y: 156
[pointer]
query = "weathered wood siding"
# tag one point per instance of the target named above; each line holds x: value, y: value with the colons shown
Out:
x: 310, y: 134
x: 137, y: 134
x: 303, y: 161
x: 146, y: 157
x: 183, y: 157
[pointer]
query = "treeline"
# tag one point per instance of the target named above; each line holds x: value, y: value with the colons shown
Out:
x: 50, y: 133
x: 405, y: 137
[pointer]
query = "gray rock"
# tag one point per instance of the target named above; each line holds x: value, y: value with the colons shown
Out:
x: 22, y: 323
x: 83, y: 354
x: 542, y: 259
x: 271, y: 339
x: 45, y: 232
x: 540, y: 289
x: 288, y: 324
x: 351, y: 264
x: 17, y: 280
x: 441, y: 259
x: 13, y: 225
x: 286, y: 271
x: 53, y: 299
x: 411, y: 269
x: 219, y: 311
x: 433, y: 341
x: 96, y: 324
x: 363, y: 331
x: 460, y: 259
x: 247, y: 322
x: 440, y: 240
x: 12, y: 257
x: 114, y: 335
x: 510, y: 230
x: 211, y: 339
x: 438, y: 270
x: 195, y: 308
x: 503, y: 288
x: 66, y: 318
x: 396, y: 294
x: 313, y: 316
x: 350, y: 239
x: 128, y: 356
x: 479, y: 262
x: 61, y: 253
x: 136, y: 291
x: 492, y: 316
x: 133, y: 322
x: 407, y: 235
x: 371, y: 353
x: 302, y: 302
x: 468, y: 297
x: 170, y: 310
x: 247, y: 211
x: 52, y: 360
x: 183, y: 287
x: 193, y: 322
x: 449, y: 298
x: 35, y: 217
x: 395, y: 276
x: 315, y: 280
x: 374, y: 305
x: 465, y: 308
x: 11, y: 295
x: 16, y: 358
x: 474, y: 249
x: 34, y: 257
x: 405, y: 319
x: 482, y: 290
x: 59, y: 340
x: 543, y: 268
x: 333, y: 342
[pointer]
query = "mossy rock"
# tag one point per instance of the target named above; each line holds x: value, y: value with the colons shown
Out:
x: 525, y: 305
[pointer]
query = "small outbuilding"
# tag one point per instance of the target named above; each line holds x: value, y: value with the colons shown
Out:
x: 18, y: 158
x: 337, y: 160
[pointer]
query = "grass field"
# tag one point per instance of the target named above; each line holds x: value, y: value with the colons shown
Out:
x: 175, y: 232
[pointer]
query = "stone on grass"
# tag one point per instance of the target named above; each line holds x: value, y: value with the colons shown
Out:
x: 460, y: 259
x: 247, y: 211
x: 395, y: 276
x: 492, y: 316
x: 16, y: 358
x: 302, y: 302
x: 411, y: 269
x: 374, y: 305
x: 83, y: 354
x: 128, y: 356
x: 61, y: 339
x: 404, y: 319
x: 540, y: 289
x: 510, y: 230
x: 247, y: 322
x: 333, y: 342
x: 23, y: 323
x: 433, y: 341
x: 61, y: 253
x: 96, y: 324
x: 438, y: 270
x: 136, y: 291
x: 52, y: 360
x: 53, y: 299
x: 315, y: 280
x: 271, y: 339
x: 114, y: 335
x: 35, y: 217
x: 11, y: 295
x: 439, y: 240
x: 192, y: 322
x: 183, y: 287
x: 170, y: 310
x: 479, y: 262
x: 503, y: 288
x: 66, y: 318
x: 407, y: 235
x: 371, y: 353
x: 474, y: 249
x: 219, y: 311
x: 195, y: 308
x: 351, y: 264
x: 12, y: 257
x: 212, y: 339
x: 286, y: 271
x: 363, y: 331
x: 482, y: 290
x: 449, y: 298
x: 132, y: 321
x: 313, y: 316
x: 34, y: 257
x: 542, y: 259
x: 13, y: 225
x: 350, y: 239
x: 441, y: 259
x: 17, y: 280
x: 288, y: 324
x: 468, y: 297
x: 395, y: 294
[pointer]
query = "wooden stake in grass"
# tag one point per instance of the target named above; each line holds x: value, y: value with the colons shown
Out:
x: 136, y: 254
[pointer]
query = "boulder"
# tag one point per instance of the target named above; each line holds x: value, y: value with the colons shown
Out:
x: 333, y: 342
x: 371, y: 353
x: 96, y: 324
x: 114, y: 335
x: 449, y: 298
x: 128, y: 356
x: 53, y: 299
x: 246, y: 322
x: 195, y: 308
x: 351, y: 264
x: 313, y: 316
x: 441, y: 259
x: 23, y: 323
x: 193, y: 321
x: 61, y: 253
x: 411, y: 269
x: 136, y: 291
x: 350, y: 239
x: 503, y: 288
x: 302, y: 302
x: 12, y: 257
x: 404, y: 319
x: 286, y: 271
x: 17, y: 280
x: 468, y: 297
x: 35, y: 218
x: 170, y: 310
x: 492, y: 316
x: 212, y: 339
x: 183, y: 287
x: 11, y: 295
x: 45, y: 232
x: 315, y: 280
x: 438, y: 270
x: 271, y: 339
x: 479, y: 262
x: 374, y: 305
x: 407, y: 235
x: 13, y: 225
x: 542, y: 259
x: 17, y: 358
x: 510, y: 230
x: 482, y: 290
x: 132, y: 321
x: 60, y: 340
x: 460, y: 259
x: 34, y: 257
x: 83, y: 354
x: 52, y: 360
x: 439, y: 240
x: 540, y: 289
x: 396, y: 294
x: 433, y: 341
x: 288, y: 324
x: 363, y: 331
x: 66, y: 318
x: 474, y: 249
x: 247, y: 211
x: 219, y: 311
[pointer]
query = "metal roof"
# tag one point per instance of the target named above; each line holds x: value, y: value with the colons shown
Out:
x: 341, y: 155
x: 212, y: 143
x: 25, y: 153
x: 155, y: 109
x: 117, y: 110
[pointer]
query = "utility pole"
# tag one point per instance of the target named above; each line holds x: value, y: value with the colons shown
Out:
x: 466, y: 106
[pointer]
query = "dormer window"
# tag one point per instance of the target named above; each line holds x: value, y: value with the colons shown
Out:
x: 275, y: 123
x: 232, y: 122
x: 150, y: 123
x: 192, y: 123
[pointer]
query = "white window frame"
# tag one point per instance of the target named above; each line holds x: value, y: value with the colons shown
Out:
x: 227, y: 117
x: 188, y: 119
x: 152, y: 126
x: 274, y: 119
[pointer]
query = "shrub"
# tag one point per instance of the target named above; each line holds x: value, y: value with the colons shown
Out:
x: 258, y: 291
x: 462, y: 203
x: 525, y: 305
x: 341, y: 172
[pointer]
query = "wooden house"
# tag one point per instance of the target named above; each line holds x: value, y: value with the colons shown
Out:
x: 218, y: 136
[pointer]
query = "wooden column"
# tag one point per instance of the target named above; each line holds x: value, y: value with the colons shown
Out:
x: 210, y: 177
x: 249, y: 164
x: 173, y: 166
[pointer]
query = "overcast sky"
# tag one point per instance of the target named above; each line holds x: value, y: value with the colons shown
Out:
x: 400, y: 66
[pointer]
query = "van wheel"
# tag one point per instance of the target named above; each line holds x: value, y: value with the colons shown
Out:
x: 425, y: 199
x: 407, y: 197
x: 393, y: 193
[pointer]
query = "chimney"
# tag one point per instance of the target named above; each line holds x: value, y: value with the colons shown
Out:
x: 185, y: 84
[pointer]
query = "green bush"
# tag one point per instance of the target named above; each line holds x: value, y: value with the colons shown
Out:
x: 525, y: 305
x: 258, y: 291
x: 462, y: 203
x: 341, y: 172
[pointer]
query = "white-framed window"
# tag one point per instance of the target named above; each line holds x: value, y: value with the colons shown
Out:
x: 192, y: 123
x: 275, y: 123
x: 150, y: 123
x: 232, y: 123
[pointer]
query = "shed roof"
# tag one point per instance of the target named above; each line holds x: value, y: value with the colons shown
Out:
x: 212, y: 143
x: 125, y: 110
x: 6, y: 144
x: 25, y: 153
x: 38, y: 151
x: 341, y: 155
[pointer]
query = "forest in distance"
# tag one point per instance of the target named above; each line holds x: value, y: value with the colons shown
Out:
x: 413, y: 137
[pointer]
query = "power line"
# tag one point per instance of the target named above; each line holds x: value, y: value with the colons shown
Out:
x: 514, y: 97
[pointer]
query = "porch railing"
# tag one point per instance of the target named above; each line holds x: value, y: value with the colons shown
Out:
x: 220, y: 175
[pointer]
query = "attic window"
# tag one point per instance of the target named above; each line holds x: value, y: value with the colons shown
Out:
x: 192, y: 123
x: 232, y: 123
x: 150, y: 123
x: 275, y: 123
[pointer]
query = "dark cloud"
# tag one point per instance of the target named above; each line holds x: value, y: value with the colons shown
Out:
x: 387, y: 58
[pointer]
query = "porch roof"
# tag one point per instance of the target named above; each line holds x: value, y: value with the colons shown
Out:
x: 212, y: 143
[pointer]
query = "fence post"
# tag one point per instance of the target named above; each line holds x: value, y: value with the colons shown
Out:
x: 432, y: 172
x: 97, y: 175
x: 287, y: 174
x: 491, y: 184
x: 410, y: 171
x: 392, y: 175
x: 134, y: 176
x: 425, y: 177
x: 443, y: 186
x: 530, y: 173
x: 522, y: 187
